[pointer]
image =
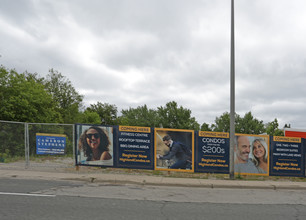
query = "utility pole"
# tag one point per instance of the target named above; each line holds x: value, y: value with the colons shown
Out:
x: 232, y: 94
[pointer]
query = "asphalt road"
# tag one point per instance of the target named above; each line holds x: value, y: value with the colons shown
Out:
x: 46, y: 199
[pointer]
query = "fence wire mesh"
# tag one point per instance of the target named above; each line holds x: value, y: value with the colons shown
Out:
x: 18, y: 145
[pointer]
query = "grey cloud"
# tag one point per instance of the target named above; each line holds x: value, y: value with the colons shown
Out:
x: 131, y: 53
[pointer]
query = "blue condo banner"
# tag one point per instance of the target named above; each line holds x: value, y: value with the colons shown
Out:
x: 134, y: 147
x: 212, y: 154
x: 287, y: 156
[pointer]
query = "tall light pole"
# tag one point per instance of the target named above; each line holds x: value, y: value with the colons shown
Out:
x: 232, y: 94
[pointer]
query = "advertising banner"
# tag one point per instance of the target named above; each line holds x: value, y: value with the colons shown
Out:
x: 174, y: 149
x: 287, y: 156
x: 94, y: 145
x: 251, y: 154
x: 50, y: 144
x: 135, y: 147
x: 212, y: 152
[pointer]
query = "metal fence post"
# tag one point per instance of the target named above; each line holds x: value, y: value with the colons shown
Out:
x: 27, y: 149
x: 73, y: 143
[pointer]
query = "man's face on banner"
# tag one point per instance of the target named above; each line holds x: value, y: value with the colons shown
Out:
x: 243, y: 148
x: 167, y: 143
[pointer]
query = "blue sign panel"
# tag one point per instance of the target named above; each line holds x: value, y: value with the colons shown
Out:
x: 287, y: 156
x: 135, y: 147
x: 50, y: 144
x: 212, y: 153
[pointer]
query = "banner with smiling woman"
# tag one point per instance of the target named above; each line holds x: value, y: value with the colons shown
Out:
x: 251, y: 154
x: 94, y: 145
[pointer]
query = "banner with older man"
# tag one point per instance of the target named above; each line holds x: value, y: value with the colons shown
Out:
x: 251, y: 154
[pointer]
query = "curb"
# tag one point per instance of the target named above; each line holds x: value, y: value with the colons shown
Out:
x: 122, y: 179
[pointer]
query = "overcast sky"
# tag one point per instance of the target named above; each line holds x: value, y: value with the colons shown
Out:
x: 130, y: 53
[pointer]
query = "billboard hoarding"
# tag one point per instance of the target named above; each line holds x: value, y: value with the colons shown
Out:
x: 251, y: 154
x: 94, y: 145
x: 212, y: 152
x: 287, y: 156
x: 135, y: 147
x: 174, y: 149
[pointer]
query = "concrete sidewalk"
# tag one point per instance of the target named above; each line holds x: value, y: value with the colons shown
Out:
x: 113, y: 178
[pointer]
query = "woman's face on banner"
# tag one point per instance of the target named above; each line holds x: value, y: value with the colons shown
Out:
x: 93, y: 138
x: 258, y: 150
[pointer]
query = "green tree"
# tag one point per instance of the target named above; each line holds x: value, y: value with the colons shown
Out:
x: 205, y: 127
x: 222, y: 123
x: 140, y: 116
x: 106, y: 112
x: 273, y: 130
x: 68, y: 100
x: 246, y: 125
x: 89, y: 117
x: 24, y: 99
x: 33, y: 77
x: 250, y: 125
x: 172, y: 116
x: 12, y: 139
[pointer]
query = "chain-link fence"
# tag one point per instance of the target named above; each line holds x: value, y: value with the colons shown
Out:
x: 19, y: 147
